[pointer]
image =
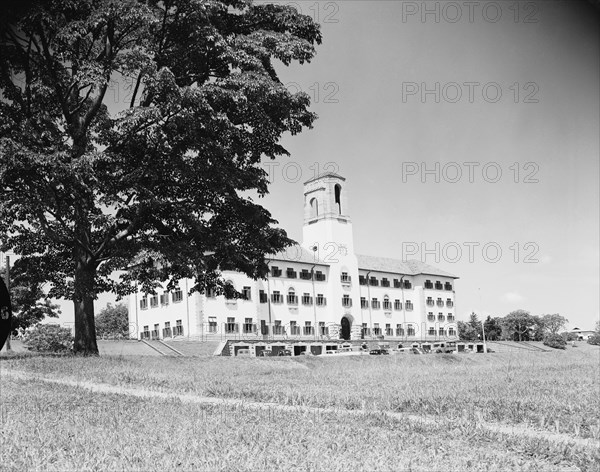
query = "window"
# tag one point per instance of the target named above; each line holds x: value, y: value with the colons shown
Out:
x: 410, y: 330
x: 448, y: 286
x: 346, y: 301
x: 365, y: 331
x: 338, y: 197
x: 321, y: 300
x: 153, y: 301
x: 305, y: 275
x: 388, y: 330
x: 276, y: 297
x: 440, y: 302
x: 397, y: 283
x: 431, y: 332
x: 428, y: 284
x: 249, y: 327
x: 323, y: 330
x: 144, y: 303
x: 154, y: 334
x: 291, y: 273
x: 429, y: 301
x: 408, y: 305
x: 376, y: 329
x: 320, y: 276
x: 278, y: 328
x: 449, y: 303
x: 291, y: 298
x: 397, y: 305
x: 385, y: 282
x: 146, y: 333
x: 387, y: 305
x: 167, y: 330
x: 275, y: 271
x: 441, y: 317
x: 212, y: 324
x: 247, y: 293
x: 262, y: 296
x: 441, y: 331
x: 308, y: 328
x: 407, y: 284
x: 164, y: 299
x: 364, y: 302
x: 314, y: 208
x: 399, y: 330
x: 374, y: 282
x: 362, y: 280
x: 231, y: 326
x: 375, y: 304
x: 228, y: 292
x: 345, y: 277
x: 177, y: 295
x: 430, y: 316
x: 211, y: 293
x: 178, y: 329
x: 450, y: 317
x: 294, y: 328
x: 438, y: 285
x: 307, y: 299
x: 451, y: 332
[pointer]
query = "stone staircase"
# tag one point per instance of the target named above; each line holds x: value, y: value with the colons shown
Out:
x: 194, y: 348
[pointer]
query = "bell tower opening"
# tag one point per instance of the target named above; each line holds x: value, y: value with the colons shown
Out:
x: 314, y: 208
x: 338, y: 198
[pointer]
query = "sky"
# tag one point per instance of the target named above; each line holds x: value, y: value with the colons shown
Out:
x: 469, y: 137
x: 494, y: 178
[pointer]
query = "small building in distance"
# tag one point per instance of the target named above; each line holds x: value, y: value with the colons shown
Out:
x: 582, y: 334
x: 320, y: 290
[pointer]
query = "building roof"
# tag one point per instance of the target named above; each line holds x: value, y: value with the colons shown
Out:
x: 297, y: 253
x: 325, y: 174
x: 410, y: 267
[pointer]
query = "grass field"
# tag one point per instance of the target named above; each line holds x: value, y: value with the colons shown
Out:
x: 505, y: 411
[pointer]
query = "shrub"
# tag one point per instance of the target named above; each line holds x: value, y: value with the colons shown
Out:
x: 48, y: 338
x: 555, y: 341
x: 594, y: 339
x: 569, y: 336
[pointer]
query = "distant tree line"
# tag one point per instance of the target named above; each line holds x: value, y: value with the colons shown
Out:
x: 518, y: 325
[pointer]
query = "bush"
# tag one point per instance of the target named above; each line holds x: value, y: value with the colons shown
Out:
x: 555, y: 341
x: 594, y: 339
x: 569, y: 336
x: 48, y: 338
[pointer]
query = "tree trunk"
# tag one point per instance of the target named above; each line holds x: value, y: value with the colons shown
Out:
x: 83, y: 301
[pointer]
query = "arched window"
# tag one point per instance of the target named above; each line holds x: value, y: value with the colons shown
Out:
x: 338, y: 197
x: 291, y: 298
x: 314, y: 208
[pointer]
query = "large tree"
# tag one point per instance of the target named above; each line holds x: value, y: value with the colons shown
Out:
x: 554, y: 323
x: 156, y: 183
x: 518, y: 325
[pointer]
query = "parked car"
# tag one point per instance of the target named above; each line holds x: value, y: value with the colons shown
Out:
x: 375, y: 352
x: 266, y: 353
x: 284, y: 352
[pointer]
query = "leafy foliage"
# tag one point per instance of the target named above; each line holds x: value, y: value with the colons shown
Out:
x: 113, y: 322
x: 555, y: 341
x: 517, y: 325
x: 594, y: 339
x: 48, y: 338
x: 30, y: 304
x: 554, y: 323
x: 157, y: 182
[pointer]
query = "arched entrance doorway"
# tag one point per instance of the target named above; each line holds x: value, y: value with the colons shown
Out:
x: 346, y: 329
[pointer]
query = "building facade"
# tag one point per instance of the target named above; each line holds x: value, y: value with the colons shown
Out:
x: 320, y: 290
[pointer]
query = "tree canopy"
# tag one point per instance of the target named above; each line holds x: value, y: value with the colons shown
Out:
x: 163, y: 180
x: 113, y: 321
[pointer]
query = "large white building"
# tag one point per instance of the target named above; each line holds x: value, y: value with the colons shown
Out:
x: 319, y: 290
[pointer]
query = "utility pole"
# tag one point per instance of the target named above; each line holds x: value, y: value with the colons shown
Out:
x: 7, y: 277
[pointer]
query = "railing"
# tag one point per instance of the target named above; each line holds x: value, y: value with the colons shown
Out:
x: 345, y: 279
